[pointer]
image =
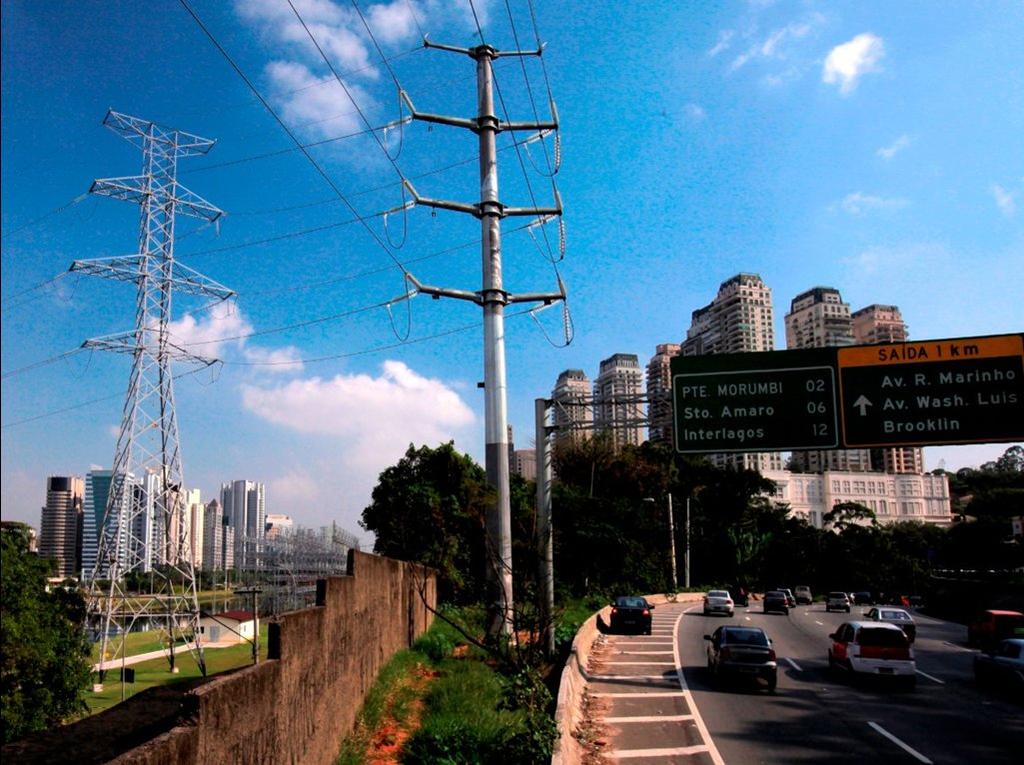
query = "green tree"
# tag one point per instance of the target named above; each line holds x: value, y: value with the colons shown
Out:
x: 44, y: 654
x: 429, y: 508
x: 845, y: 514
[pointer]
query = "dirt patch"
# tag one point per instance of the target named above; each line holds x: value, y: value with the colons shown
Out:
x: 590, y: 732
x: 390, y: 735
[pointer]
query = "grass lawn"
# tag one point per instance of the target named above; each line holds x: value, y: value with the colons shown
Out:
x: 135, y: 643
x: 154, y: 672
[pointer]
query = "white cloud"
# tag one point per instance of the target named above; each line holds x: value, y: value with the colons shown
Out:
x: 207, y: 335
x: 1006, y: 200
x: 375, y: 418
x: 293, y: 490
x: 846, y: 63
x: 774, y: 45
x: 392, y: 23
x: 114, y: 431
x: 858, y: 203
x: 723, y: 43
x: 286, y: 359
x: 695, y: 112
x: 890, y: 151
x: 319, y: 102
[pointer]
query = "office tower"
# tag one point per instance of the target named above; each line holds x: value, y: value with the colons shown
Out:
x: 244, y: 507
x: 818, y: 318
x: 572, y: 400
x: 524, y: 463
x: 617, y: 393
x: 884, y: 324
x: 147, y: 540
x: 97, y: 492
x: 739, y: 320
x: 659, y: 393
x: 60, y: 527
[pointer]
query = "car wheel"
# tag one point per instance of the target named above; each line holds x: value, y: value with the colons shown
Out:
x: 772, y: 683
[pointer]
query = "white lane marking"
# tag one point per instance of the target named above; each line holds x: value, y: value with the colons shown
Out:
x: 634, y: 694
x: 642, y: 663
x: 819, y: 623
x: 958, y: 647
x: 648, y: 719
x: 794, y: 665
x: 930, y: 677
x: 627, y: 754
x: 644, y: 653
x: 908, y: 749
x: 645, y: 644
x: 601, y: 678
x: 711, y: 749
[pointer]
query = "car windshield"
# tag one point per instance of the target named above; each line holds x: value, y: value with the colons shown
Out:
x: 630, y: 602
x: 896, y: 616
x: 745, y: 637
x: 880, y: 637
x: 718, y: 594
x: 775, y: 594
x: 836, y: 595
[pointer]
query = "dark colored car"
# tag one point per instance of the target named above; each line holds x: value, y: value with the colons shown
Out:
x: 776, y: 600
x: 863, y: 598
x: 740, y: 597
x: 1002, y: 666
x: 631, y: 613
x: 993, y: 626
x: 790, y: 599
x: 742, y: 652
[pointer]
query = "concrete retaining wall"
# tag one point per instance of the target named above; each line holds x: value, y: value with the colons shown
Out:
x: 294, y: 708
x: 569, y: 711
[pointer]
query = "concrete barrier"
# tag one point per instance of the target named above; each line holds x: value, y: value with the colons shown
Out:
x: 571, y: 687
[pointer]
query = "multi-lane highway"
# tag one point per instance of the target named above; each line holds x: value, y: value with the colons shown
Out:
x: 817, y: 717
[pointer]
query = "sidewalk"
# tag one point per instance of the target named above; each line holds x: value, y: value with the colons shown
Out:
x: 141, y: 657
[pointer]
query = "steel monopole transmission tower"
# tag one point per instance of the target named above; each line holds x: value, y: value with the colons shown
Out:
x: 145, y: 527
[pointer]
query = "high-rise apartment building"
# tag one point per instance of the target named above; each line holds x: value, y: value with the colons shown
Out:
x: 60, y: 527
x: 739, y: 320
x: 617, y: 393
x: 659, y: 393
x: 524, y: 463
x: 879, y: 324
x: 244, y: 507
x: 572, y: 400
x: 818, y: 318
x: 884, y: 324
x: 193, y: 510
x: 218, y: 539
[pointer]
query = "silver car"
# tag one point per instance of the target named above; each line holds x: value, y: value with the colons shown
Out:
x: 837, y: 601
x: 718, y: 602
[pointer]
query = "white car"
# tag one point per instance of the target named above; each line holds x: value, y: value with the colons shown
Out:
x: 718, y: 602
x: 872, y: 648
x: 837, y: 601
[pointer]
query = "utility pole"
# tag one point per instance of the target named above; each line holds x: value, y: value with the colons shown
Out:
x: 686, y: 560
x: 493, y: 298
x: 147, y: 479
x: 545, y: 529
x: 672, y: 542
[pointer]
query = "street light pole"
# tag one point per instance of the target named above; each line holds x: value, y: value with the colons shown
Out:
x: 686, y: 560
x: 672, y: 543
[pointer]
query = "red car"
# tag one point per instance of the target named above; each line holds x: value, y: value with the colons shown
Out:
x: 993, y: 626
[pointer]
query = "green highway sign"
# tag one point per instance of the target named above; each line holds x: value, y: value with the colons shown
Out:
x: 929, y: 392
x: 934, y: 391
x: 790, y: 404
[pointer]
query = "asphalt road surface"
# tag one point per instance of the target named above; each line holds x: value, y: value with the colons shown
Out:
x: 816, y: 716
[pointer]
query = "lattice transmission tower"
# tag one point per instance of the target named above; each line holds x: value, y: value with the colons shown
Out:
x: 145, y: 528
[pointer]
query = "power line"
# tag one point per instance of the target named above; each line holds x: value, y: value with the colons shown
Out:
x: 43, y: 363
x: 323, y: 173
x: 55, y: 211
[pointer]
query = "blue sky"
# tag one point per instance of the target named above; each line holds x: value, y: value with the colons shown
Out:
x: 874, y: 147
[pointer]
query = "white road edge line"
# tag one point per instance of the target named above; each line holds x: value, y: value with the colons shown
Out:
x: 627, y: 754
x: 747, y: 618
x: 958, y: 647
x: 793, y: 664
x: 819, y: 623
x: 908, y: 749
x: 930, y: 677
x: 634, y: 694
x: 648, y: 719
x: 701, y: 727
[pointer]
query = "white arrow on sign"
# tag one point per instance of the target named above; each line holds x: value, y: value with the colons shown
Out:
x: 862, y: 403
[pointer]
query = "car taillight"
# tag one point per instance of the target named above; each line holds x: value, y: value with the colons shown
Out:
x: 771, y: 654
x: 646, y: 612
x: 614, y: 611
